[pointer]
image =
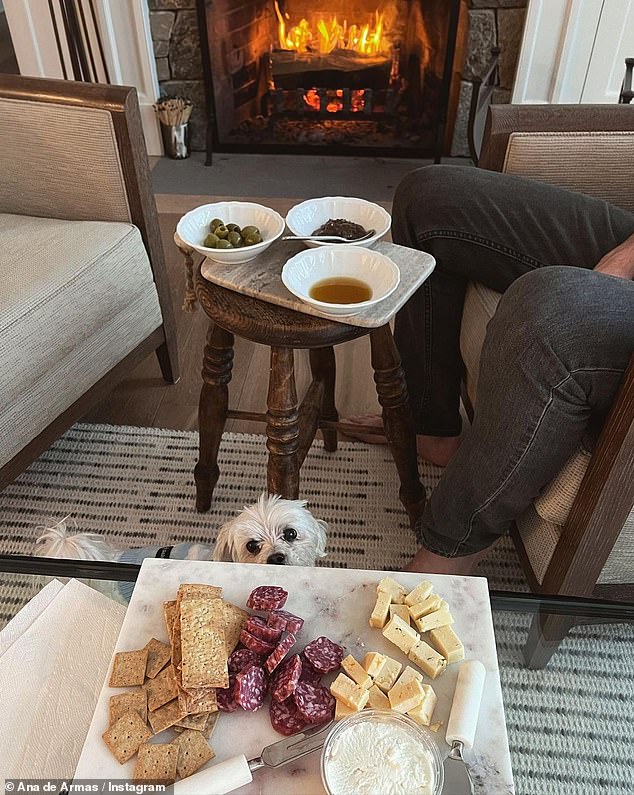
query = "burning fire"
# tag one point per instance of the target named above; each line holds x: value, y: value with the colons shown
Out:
x: 330, y: 34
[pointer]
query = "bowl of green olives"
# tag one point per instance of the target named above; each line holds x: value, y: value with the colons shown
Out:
x: 230, y: 232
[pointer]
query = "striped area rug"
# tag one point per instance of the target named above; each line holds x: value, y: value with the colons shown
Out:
x: 570, y: 726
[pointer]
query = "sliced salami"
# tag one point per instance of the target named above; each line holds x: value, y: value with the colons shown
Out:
x: 250, y: 688
x: 257, y: 645
x: 324, y: 655
x: 314, y: 703
x: 281, y: 650
x: 226, y: 697
x: 257, y: 626
x: 241, y: 659
x: 267, y: 597
x: 285, y: 717
x: 283, y: 620
x: 286, y: 678
x: 309, y: 674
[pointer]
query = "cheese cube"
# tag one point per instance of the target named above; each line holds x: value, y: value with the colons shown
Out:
x: 425, y: 607
x: 389, y: 586
x: 439, y: 618
x: 406, y: 696
x: 381, y: 609
x: 341, y: 711
x: 424, y: 711
x: 388, y: 674
x: 408, y: 674
x: 373, y: 662
x: 427, y: 659
x: 402, y: 611
x: 349, y: 692
x: 419, y: 594
x: 377, y: 699
x: 356, y: 672
x: 445, y: 640
x: 400, y: 634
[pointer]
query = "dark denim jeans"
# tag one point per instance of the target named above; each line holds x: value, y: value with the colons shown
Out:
x: 554, y: 352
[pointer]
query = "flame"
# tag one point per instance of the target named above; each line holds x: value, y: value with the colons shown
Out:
x: 330, y: 34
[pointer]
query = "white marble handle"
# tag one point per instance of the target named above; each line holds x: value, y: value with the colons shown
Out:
x: 218, y: 779
x: 466, y: 703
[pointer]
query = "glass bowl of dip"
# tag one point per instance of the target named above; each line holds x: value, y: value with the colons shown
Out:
x: 374, y: 752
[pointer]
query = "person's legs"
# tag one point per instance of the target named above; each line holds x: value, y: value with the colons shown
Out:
x: 553, y: 357
x: 486, y: 227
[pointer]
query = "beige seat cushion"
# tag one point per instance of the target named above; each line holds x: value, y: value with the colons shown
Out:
x: 76, y: 298
x: 479, y: 307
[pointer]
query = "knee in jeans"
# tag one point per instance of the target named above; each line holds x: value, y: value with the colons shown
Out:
x: 435, y: 183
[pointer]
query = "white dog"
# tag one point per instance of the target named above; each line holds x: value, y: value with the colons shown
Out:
x: 274, y: 530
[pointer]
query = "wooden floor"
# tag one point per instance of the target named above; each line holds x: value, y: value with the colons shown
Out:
x: 144, y: 399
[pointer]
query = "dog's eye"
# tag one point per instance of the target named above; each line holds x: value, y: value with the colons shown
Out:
x: 290, y: 534
x: 253, y: 547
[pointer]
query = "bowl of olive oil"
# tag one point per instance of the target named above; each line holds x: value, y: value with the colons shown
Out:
x: 341, y: 281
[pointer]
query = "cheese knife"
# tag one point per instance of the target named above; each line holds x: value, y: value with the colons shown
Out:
x: 461, y: 727
x: 238, y: 771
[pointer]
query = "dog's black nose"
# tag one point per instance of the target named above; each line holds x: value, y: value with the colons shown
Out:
x: 277, y: 559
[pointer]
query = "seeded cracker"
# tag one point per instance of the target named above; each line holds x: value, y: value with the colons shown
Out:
x: 161, y: 689
x: 211, y: 724
x: 204, y: 658
x: 124, y: 738
x: 158, y: 655
x: 202, y: 699
x: 165, y: 716
x: 156, y: 763
x: 128, y: 702
x: 169, y: 614
x: 192, y: 590
x: 193, y: 752
x: 235, y: 621
x: 197, y: 722
x: 128, y: 668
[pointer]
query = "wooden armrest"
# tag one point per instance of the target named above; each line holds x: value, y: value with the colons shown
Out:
x: 502, y: 120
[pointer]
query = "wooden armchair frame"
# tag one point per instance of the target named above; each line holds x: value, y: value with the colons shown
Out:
x: 122, y: 105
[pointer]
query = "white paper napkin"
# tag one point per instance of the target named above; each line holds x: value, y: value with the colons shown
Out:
x: 51, y: 678
x: 29, y: 613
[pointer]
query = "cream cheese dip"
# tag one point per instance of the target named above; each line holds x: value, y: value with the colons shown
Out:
x: 379, y: 753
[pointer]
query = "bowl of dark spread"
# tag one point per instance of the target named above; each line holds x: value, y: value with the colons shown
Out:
x: 344, y: 216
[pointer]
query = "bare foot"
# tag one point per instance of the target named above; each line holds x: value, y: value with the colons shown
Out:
x: 435, y: 449
x: 429, y: 563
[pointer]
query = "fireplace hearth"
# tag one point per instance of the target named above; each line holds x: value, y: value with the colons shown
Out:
x: 372, y: 77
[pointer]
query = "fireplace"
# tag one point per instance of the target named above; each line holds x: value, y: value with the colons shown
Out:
x: 336, y: 76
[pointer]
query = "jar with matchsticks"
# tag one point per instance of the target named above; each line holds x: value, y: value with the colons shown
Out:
x: 173, y: 114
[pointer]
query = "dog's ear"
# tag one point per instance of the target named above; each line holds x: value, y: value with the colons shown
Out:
x: 223, y: 549
x: 321, y: 528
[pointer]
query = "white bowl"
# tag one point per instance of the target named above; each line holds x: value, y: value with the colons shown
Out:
x: 304, y: 218
x: 303, y: 270
x: 193, y: 228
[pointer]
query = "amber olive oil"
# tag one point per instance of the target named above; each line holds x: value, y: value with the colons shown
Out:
x: 340, y: 290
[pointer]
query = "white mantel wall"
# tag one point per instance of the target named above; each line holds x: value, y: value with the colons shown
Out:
x: 574, y: 51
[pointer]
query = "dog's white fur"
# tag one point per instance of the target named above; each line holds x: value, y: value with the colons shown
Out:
x: 268, y: 525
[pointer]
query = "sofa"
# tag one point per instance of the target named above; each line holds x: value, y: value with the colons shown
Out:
x: 84, y: 293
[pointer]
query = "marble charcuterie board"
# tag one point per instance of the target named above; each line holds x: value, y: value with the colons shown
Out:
x: 333, y: 602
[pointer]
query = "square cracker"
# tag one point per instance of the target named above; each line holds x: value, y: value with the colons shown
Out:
x: 193, y: 590
x: 197, y: 722
x: 125, y: 737
x: 235, y: 622
x: 204, y: 656
x: 156, y: 763
x: 161, y: 689
x: 136, y: 701
x: 128, y: 668
x: 165, y: 716
x: 158, y: 655
x: 203, y: 699
x: 212, y: 721
x: 193, y: 752
x: 169, y: 614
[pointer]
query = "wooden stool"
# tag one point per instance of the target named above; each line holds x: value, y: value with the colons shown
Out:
x: 291, y: 428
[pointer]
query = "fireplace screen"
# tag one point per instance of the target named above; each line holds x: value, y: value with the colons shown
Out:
x: 358, y: 76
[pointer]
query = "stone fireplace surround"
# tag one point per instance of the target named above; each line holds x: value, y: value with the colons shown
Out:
x: 179, y: 67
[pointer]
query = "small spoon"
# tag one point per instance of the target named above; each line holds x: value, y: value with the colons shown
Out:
x: 330, y: 238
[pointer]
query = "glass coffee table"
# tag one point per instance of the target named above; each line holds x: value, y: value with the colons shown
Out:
x: 569, y: 724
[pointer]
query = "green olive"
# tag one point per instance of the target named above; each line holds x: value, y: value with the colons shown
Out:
x: 233, y: 228
x: 234, y: 238
x: 253, y: 240
x: 216, y: 222
x: 211, y: 241
x: 224, y: 244
x: 249, y: 231
x: 222, y: 231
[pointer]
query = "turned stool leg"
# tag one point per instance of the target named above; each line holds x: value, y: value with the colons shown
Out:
x: 323, y: 367
x: 397, y: 419
x: 282, y: 426
x: 212, y: 411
